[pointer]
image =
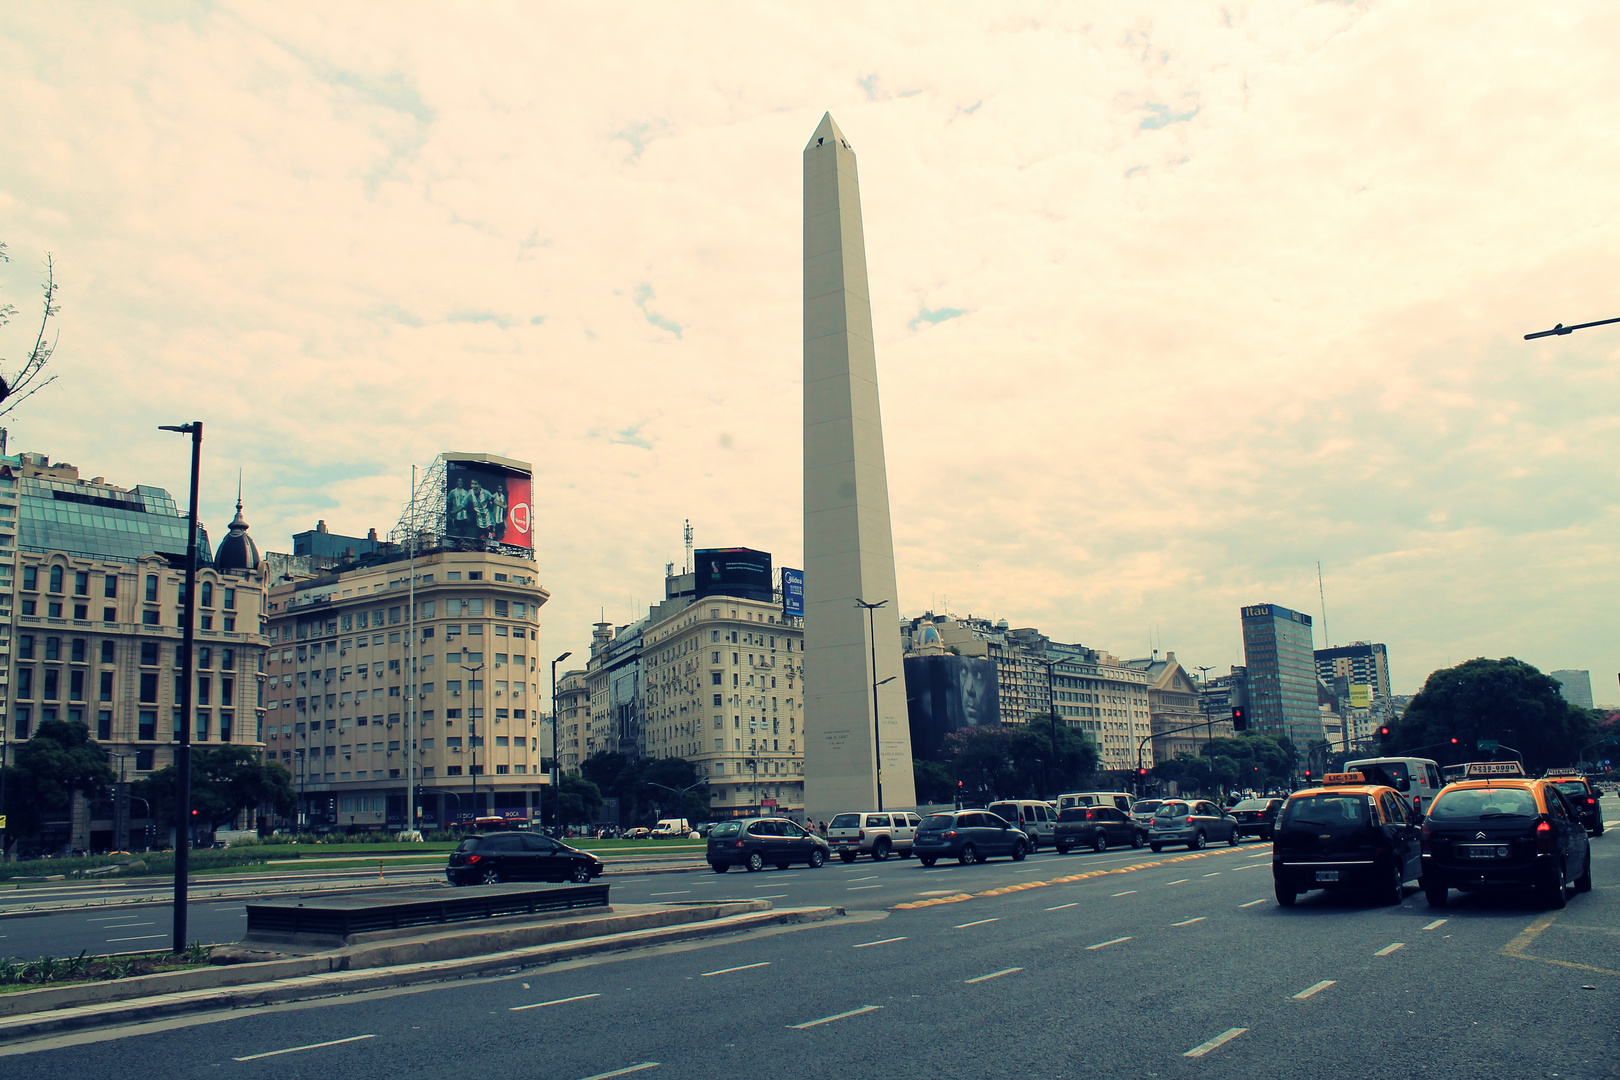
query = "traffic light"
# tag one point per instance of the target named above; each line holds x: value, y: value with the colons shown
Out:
x: 1307, y: 774
x: 1141, y: 772
x: 1240, y: 718
x: 1385, y: 733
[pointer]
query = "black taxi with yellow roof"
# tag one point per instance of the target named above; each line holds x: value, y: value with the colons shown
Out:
x: 1345, y: 834
x: 1582, y: 795
x: 1497, y: 828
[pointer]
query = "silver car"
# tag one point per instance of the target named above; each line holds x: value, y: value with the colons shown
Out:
x: 874, y: 834
x: 1194, y: 822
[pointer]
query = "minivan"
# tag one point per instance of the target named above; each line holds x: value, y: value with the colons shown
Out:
x: 1120, y: 799
x: 1037, y: 819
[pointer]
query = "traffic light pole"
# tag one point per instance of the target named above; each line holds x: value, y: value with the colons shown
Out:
x: 1144, y: 740
x: 182, y: 752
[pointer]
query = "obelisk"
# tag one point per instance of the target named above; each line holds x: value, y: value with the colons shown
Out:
x: 848, y: 543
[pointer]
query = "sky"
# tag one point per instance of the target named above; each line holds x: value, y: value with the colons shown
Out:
x: 1173, y: 302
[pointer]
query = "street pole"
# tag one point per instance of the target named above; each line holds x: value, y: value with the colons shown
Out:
x: 410, y: 684
x: 1203, y: 701
x: 188, y: 633
x: 556, y: 766
x: 1051, y: 708
x: 472, y: 735
x: 877, y: 735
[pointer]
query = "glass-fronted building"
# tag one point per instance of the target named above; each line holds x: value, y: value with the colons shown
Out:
x: 1278, y: 652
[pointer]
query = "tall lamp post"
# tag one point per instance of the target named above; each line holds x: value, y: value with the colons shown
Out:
x: 472, y: 733
x: 188, y: 635
x: 1052, y: 713
x: 1203, y: 701
x: 556, y: 766
x: 877, y: 735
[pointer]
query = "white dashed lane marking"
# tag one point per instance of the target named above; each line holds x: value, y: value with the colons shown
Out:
x: 994, y: 975
x: 1387, y: 949
x: 1189, y: 922
x: 1437, y: 924
x: 980, y: 922
x: 1105, y: 944
x: 1317, y: 989
x: 1220, y: 1040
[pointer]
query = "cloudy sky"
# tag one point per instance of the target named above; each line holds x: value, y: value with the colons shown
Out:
x: 1172, y: 303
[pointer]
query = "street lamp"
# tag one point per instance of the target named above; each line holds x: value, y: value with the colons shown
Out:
x: 188, y: 635
x: 1203, y: 701
x: 877, y: 736
x: 1560, y: 330
x: 472, y: 734
x: 680, y: 794
x: 1051, y: 709
x: 556, y: 768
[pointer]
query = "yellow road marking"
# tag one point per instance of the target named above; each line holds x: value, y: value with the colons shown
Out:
x: 1518, y: 946
x: 1067, y: 879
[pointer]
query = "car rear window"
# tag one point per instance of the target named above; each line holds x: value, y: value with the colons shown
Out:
x: 1253, y: 804
x: 1573, y: 787
x: 470, y: 844
x: 726, y: 828
x: 1483, y: 804
x: 846, y: 821
x: 1146, y: 806
x: 1172, y: 809
x: 1074, y: 813
x: 937, y: 822
x: 1326, y: 811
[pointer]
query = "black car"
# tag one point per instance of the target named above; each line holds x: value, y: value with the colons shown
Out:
x: 968, y: 836
x: 1345, y: 835
x: 1096, y: 827
x: 760, y: 842
x: 1505, y: 833
x: 1582, y: 797
x: 519, y: 856
x: 1257, y: 817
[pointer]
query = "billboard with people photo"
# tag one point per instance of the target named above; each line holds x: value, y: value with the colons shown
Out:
x: 489, y: 501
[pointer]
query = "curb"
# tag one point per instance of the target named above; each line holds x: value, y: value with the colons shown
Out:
x: 336, y: 983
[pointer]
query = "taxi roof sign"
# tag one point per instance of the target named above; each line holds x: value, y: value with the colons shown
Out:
x: 1344, y: 778
x: 1493, y: 768
x: 1562, y: 772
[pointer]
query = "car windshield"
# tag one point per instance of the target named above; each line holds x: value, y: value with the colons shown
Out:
x: 937, y: 822
x: 846, y: 821
x: 1172, y: 809
x: 726, y: 828
x: 1326, y: 811
x: 1481, y: 804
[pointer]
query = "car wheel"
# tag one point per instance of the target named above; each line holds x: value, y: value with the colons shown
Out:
x: 1286, y: 897
x: 1197, y: 843
x: 720, y: 867
x: 1136, y: 840
x: 1436, y: 895
x: 581, y: 875
x: 491, y: 876
x: 756, y: 862
x: 1034, y: 843
x: 1019, y: 851
x: 1395, y: 891
x: 1099, y: 843
x: 1232, y: 841
x: 926, y: 860
x: 816, y: 859
x: 1062, y: 849
x: 1156, y: 847
x: 880, y: 851
x: 969, y: 856
x: 1554, y: 894
x: 846, y: 856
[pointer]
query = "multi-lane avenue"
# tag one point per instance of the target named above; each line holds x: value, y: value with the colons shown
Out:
x: 1164, y: 966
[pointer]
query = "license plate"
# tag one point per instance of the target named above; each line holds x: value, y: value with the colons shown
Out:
x: 1486, y: 852
x: 1327, y: 875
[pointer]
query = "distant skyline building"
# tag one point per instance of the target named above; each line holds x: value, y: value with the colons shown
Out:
x: 1279, y: 655
x: 851, y: 654
x: 1363, y: 663
x: 1576, y: 686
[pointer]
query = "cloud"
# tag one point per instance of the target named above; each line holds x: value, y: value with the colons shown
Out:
x: 936, y: 315
x: 1162, y: 116
x: 625, y: 436
x: 479, y: 317
x: 644, y: 293
x: 637, y: 136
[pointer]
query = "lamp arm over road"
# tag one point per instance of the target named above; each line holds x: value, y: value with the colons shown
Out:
x: 1560, y: 330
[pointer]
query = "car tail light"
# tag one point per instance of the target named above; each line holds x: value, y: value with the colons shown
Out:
x: 950, y: 835
x: 473, y: 858
x: 1189, y: 819
x: 1088, y: 815
x: 1544, y: 836
x: 1427, y: 839
x: 860, y: 834
x: 739, y: 843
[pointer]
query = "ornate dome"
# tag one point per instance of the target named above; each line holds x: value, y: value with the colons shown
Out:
x: 237, y: 551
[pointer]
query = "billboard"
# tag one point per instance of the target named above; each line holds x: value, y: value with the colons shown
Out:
x: 740, y: 572
x: 945, y: 693
x: 792, y: 592
x: 1360, y: 696
x: 488, y: 498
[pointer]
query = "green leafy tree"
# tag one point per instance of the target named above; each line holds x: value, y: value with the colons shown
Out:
x: 58, y: 760
x: 1262, y: 761
x: 224, y: 782
x: 1014, y: 761
x: 1505, y: 700
x: 934, y: 782
x: 581, y: 800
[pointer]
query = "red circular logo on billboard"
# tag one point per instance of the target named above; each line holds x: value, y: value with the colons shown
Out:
x: 520, y: 517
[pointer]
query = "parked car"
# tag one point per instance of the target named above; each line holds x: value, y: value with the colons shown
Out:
x: 1096, y: 827
x: 638, y: 834
x: 1037, y: 819
x: 1345, y: 834
x: 756, y: 843
x: 874, y: 834
x: 489, y: 859
x: 1194, y: 822
x: 969, y: 836
x: 1257, y: 817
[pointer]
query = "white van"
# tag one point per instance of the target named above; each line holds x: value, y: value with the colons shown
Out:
x: 1417, y: 779
x: 1037, y: 819
x: 1118, y: 799
x: 673, y: 826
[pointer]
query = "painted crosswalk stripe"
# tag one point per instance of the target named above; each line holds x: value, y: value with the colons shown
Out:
x: 1317, y: 989
x: 1105, y: 944
x: 1189, y: 922
x: 623, y: 1072
x: 1251, y: 903
x: 1437, y: 924
x: 993, y: 975
x: 1220, y: 1040
x: 296, y: 1049
x: 559, y: 1001
x: 885, y: 941
x: 739, y: 967
x: 836, y: 1016
x: 980, y: 922
x: 1387, y: 949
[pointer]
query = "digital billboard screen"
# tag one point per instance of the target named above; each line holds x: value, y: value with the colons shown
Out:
x: 792, y: 592
x: 733, y: 572
x: 487, y: 501
x: 946, y: 693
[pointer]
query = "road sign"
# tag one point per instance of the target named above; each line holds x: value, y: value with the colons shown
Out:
x: 2, y: 821
x: 1488, y: 745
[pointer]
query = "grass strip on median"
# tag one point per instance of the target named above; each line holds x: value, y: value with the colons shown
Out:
x: 1067, y: 879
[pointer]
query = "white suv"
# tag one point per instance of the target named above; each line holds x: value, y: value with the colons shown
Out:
x: 874, y: 834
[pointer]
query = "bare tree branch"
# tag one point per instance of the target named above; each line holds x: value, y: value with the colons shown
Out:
x: 26, y: 382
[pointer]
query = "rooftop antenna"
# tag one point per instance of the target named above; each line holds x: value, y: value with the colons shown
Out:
x: 1321, y: 592
x: 687, y: 533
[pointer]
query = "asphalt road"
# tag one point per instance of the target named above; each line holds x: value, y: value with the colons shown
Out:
x: 1187, y: 968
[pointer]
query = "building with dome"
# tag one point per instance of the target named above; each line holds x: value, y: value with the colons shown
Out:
x: 94, y: 632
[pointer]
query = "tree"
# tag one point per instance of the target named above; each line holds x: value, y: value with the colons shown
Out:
x: 1261, y: 761
x: 19, y: 385
x: 933, y: 781
x: 60, y: 759
x: 581, y: 800
x: 224, y: 782
x: 1013, y: 761
x: 1505, y: 700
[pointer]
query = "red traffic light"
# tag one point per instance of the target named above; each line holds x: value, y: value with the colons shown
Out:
x: 1307, y: 774
x: 1240, y: 718
x: 1453, y: 741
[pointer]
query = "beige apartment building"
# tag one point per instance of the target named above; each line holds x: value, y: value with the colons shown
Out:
x: 1175, y: 702
x: 573, y: 705
x: 348, y: 717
